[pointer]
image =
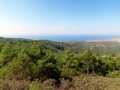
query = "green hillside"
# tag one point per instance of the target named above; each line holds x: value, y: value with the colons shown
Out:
x: 104, y: 47
x: 38, y: 61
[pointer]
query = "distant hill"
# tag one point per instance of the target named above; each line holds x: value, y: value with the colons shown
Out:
x: 107, y: 46
x: 2, y: 38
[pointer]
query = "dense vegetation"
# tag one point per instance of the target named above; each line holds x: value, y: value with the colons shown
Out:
x: 33, y: 60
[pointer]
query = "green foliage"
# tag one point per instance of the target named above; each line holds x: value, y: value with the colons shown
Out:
x: 113, y: 74
x: 35, y: 86
x: 30, y: 60
x: 69, y: 64
x: 48, y: 69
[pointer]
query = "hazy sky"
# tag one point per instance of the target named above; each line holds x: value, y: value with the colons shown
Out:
x: 59, y: 17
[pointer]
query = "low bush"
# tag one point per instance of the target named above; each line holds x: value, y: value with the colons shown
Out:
x: 113, y: 74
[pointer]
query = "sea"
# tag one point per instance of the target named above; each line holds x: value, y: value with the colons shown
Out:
x: 66, y: 38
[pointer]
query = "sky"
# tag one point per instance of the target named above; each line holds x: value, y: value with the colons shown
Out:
x: 59, y: 17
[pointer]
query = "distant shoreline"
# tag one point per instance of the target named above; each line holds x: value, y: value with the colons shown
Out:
x: 109, y: 40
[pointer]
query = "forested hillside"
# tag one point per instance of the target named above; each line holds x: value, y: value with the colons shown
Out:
x: 41, y: 60
x: 99, y: 47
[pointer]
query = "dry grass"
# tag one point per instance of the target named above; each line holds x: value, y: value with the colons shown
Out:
x: 78, y: 83
x: 91, y: 83
x: 14, y: 85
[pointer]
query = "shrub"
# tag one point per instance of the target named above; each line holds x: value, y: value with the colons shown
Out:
x: 113, y: 74
x: 35, y: 86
